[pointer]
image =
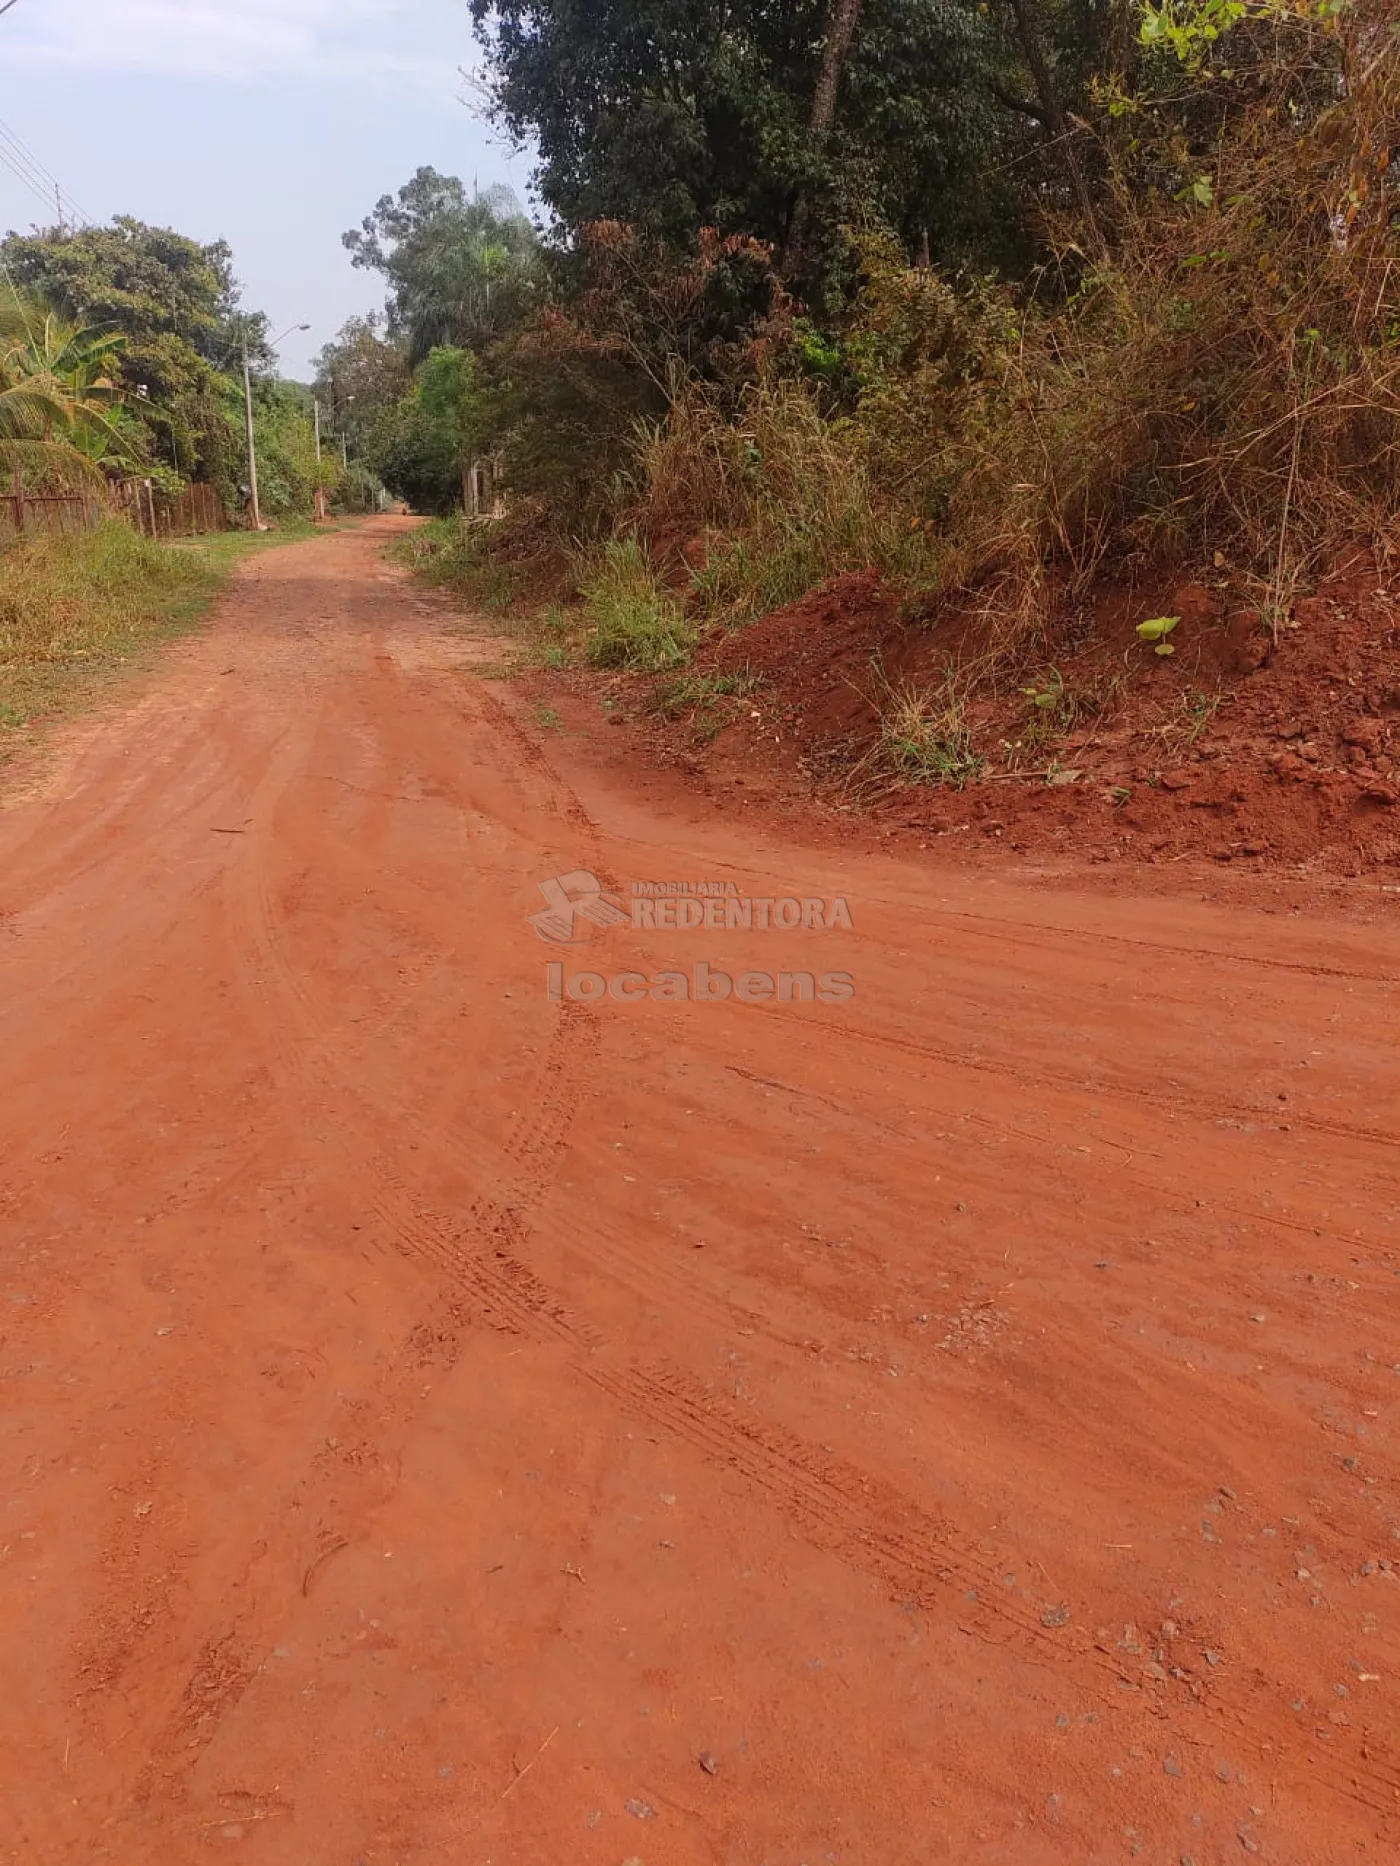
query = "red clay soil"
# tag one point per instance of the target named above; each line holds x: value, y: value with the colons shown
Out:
x: 1237, y: 748
x: 446, y: 1425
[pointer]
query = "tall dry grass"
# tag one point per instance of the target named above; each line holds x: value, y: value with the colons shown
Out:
x: 66, y: 598
x: 1219, y: 384
x: 1223, y: 384
x: 781, y: 498
x: 69, y: 604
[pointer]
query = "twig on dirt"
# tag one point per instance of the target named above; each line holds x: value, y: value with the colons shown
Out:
x: 320, y: 1562
x: 533, y: 1760
x: 215, y: 831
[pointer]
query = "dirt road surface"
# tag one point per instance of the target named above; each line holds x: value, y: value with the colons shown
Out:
x: 448, y: 1427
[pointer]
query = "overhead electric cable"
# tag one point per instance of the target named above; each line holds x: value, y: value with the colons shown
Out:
x: 22, y: 162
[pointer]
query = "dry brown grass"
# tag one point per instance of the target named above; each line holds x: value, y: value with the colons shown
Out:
x: 1226, y: 380
x: 72, y: 607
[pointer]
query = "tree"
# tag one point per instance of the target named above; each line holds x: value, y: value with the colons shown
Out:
x: 176, y: 303
x: 360, y: 376
x: 60, y: 404
x: 674, y: 115
x: 841, y: 29
x: 462, y: 270
x: 449, y: 394
x: 1051, y: 114
x: 288, y: 470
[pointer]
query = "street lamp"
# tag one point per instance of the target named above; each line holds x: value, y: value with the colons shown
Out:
x: 248, y: 418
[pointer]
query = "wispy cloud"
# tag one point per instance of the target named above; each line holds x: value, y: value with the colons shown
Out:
x: 423, y: 41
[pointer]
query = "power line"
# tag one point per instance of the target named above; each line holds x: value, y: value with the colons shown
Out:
x: 27, y: 172
x: 21, y: 176
x: 25, y: 166
x: 11, y: 139
x: 8, y: 4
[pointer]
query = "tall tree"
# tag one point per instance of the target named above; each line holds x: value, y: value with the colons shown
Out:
x: 841, y: 30
x: 462, y: 269
x: 1052, y: 115
x: 360, y: 376
x: 176, y: 302
x: 845, y: 17
x: 674, y: 115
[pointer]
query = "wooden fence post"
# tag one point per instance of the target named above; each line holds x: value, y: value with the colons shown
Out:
x: 19, y: 499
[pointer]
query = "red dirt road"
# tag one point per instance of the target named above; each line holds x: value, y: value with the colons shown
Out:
x: 444, y: 1427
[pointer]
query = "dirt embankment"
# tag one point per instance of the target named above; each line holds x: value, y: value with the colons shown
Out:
x: 1242, y: 746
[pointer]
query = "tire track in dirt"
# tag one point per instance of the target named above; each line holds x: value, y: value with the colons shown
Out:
x: 1158, y: 1097
x: 1012, y: 934
x: 500, y: 1291
x: 869, y: 1525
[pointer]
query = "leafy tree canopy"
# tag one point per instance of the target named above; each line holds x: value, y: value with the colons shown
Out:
x: 462, y: 269
x: 176, y: 303
x: 672, y: 115
x: 359, y: 375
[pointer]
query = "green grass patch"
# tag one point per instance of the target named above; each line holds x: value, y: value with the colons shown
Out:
x: 633, y: 619
x: 708, y: 701
x: 450, y: 553
x: 924, y: 737
x: 75, y: 610
x: 224, y: 550
x: 692, y: 691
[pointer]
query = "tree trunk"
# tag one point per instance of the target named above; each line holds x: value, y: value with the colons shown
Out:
x: 1054, y: 121
x: 840, y: 31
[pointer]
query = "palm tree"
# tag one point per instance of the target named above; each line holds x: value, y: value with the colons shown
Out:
x: 60, y: 402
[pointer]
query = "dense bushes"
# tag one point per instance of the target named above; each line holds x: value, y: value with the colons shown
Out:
x: 1201, y: 366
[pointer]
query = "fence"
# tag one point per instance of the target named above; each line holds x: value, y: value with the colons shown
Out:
x: 191, y: 513
x: 22, y: 511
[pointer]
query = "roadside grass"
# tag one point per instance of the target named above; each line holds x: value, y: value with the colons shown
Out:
x: 691, y: 691
x: 76, y: 611
x: 633, y: 619
x: 709, y: 701
x: 923, y: 735
x: 223, y: 550
x: 450, y: 553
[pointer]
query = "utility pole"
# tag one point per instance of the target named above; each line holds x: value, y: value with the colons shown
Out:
x: 252, y: 445
x: 320, y: 491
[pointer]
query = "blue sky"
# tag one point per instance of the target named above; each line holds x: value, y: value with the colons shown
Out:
x: 273, y: 124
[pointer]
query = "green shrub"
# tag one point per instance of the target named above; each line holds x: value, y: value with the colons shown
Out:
x: 635, y: 621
